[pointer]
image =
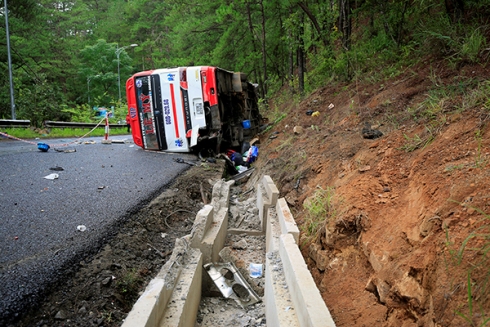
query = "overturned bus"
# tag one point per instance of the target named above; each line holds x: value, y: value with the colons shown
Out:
x: 189, y: 108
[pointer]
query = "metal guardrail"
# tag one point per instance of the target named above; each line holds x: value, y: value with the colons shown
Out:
x: 5, y: 123
x: 60, y: 124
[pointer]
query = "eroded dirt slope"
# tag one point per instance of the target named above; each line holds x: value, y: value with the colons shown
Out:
x: 397, y: 208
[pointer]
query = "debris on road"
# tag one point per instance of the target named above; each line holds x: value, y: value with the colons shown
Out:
x: 52, y: 176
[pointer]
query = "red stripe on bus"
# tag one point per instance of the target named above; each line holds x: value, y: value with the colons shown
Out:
x: 174, y: 110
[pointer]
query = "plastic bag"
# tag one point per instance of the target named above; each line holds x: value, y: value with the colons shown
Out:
x: 252, y: 154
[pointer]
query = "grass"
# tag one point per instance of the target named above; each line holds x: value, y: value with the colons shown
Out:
x: 319, y: 208
x: 128, y: 284
x: 27, y: 133
x: 478, y: 272
x: 480, y: 161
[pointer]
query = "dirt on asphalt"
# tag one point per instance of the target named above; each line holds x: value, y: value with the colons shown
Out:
x: 394, y: 229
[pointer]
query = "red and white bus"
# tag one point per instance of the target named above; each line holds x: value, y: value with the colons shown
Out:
x: 186, y: 108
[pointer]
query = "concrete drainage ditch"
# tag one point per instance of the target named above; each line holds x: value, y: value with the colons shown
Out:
x: 208, y: 281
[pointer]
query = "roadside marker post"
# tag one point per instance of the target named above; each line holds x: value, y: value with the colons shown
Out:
x: 106, y: 135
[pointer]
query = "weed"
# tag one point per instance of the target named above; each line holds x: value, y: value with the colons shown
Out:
x: 286, y: 144
x: 128, y: 284
x: 275, y: 121
x: 319, y: 208
x: 416, y: 142
x: 477, y: 97
x: 480, y: 161
x: 469, y: 317
x: 454, y: 167
x: 478, y: 242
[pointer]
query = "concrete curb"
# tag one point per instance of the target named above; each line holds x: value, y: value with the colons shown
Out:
x: 291, y: 296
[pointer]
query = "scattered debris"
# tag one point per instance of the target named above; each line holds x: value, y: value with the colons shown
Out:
x: 369, y: 133
x: 242, y: 177
x: 256, y: 270
x: 298, y: 130
x: 119, y: 141
x: 43, y: 147
x: 232, y: 284
x: 180, y: 160
x: 57, y: 168
x: 331, y: 106
x: 52, y: 176
x: 100, y: 188
x: 66, y: 150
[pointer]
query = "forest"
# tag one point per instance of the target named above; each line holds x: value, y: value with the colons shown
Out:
x: 68, y: 57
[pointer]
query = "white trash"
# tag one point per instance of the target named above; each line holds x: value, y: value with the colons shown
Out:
x: 52, y: 176
x: 82, y: 228
x: 256, y: 270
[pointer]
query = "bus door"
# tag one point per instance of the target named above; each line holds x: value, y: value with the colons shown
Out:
x: 150, y: 112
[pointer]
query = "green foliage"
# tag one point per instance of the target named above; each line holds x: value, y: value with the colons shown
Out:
x: 319, y: 208
x: 31, y: 133
x: 128, y: 284
x: 64, y: 55
x: 478, y: 244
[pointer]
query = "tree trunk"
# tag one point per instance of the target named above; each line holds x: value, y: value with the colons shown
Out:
x: 345, y: 23
x: 264, y: 52
x: 256, y: 66
x: 301, y: 58
x: 310, y: 15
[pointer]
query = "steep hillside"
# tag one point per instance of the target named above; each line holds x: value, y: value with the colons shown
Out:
x: 394, y: 229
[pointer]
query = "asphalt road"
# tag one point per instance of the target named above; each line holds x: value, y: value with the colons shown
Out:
x: 99, y: 186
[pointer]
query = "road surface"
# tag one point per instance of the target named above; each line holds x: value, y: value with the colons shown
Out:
x: 97, y: 187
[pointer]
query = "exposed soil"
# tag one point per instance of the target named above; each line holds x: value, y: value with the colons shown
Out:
x: 396, y: 209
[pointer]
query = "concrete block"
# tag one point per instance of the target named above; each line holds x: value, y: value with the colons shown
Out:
x: 184, y: 303
x: 203, y: 221
x: 307, y: 301
x: 148, y: 310
x: 279, y: 309
x: 221, y: 194
x: 286, y: 219
x: 263, y: 204
x: 215, y: 237
x: 270, y: 189
x: 273, y: 230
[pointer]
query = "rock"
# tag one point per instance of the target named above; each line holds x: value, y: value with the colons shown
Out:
x: 61, y: 315
x: 379, y: 287
x: 364, y: 168
x: 369, y: 133
x: 298, y: 130
x: 107, y: 281
x: 410, y: 289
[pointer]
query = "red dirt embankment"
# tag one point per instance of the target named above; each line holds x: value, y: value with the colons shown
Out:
x: 397, y: 208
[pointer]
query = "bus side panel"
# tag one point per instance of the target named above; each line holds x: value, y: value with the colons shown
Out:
x: 195, y: 93
x: 145, y: 112
x: 173, y: 110
x: 133, y: 112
